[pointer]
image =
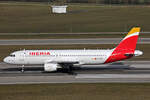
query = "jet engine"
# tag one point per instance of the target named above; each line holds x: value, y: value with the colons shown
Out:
x: 49, y: 67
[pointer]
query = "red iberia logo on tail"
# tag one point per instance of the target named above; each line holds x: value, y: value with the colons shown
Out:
x: 126, y: 47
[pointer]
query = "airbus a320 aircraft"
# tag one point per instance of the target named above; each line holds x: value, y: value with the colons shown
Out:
x: 54, y: 59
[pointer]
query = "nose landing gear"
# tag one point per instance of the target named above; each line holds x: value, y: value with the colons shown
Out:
x: 22, y: 68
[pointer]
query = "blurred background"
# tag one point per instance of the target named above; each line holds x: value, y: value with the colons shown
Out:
x: 132, y: 2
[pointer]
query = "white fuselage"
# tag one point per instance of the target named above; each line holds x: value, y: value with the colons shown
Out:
x: 43, y: 56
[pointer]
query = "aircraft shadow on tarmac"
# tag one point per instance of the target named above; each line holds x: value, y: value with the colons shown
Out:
x: 113, y: 66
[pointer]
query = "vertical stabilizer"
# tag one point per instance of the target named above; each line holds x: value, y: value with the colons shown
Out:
x: 129, y: 42
x: 126, y: 47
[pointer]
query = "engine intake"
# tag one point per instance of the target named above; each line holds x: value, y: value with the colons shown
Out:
x: 49, y: 67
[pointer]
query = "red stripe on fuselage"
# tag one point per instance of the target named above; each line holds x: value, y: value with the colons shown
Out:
x: 126, y: 46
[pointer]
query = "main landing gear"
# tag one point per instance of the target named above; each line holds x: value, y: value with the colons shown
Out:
x: 68, y: 68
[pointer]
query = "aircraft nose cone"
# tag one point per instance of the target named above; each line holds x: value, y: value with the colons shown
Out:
x: 8, y: 60
x: 5, y: 60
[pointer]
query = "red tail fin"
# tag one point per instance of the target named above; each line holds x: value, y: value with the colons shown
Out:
x: 129, y: 42
x: 126, y: 46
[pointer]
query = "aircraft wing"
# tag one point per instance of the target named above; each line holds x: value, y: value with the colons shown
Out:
x: 63, y: 61
x: 53, y: 64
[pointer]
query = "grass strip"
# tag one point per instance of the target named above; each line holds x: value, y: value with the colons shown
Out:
x: 38, y: 18
x: 104, y: 91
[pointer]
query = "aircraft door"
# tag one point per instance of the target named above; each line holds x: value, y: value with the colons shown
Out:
x: 22, y: 57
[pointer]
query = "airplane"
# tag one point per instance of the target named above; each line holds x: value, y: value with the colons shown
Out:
x: 66, y: 59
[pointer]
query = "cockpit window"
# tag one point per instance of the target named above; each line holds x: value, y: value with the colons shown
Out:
x: 12, y: 55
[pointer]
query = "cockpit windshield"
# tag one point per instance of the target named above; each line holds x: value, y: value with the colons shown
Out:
x: 12, y: 55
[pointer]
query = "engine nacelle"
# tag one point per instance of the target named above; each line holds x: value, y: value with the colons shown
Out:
x: 49, y: 67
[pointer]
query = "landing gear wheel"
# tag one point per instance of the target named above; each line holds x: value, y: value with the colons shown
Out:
x: 22, y: 68
x: 68, y: 68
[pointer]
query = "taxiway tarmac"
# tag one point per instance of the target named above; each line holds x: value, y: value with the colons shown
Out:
x: 120, y: 72
x: 67, y: 41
